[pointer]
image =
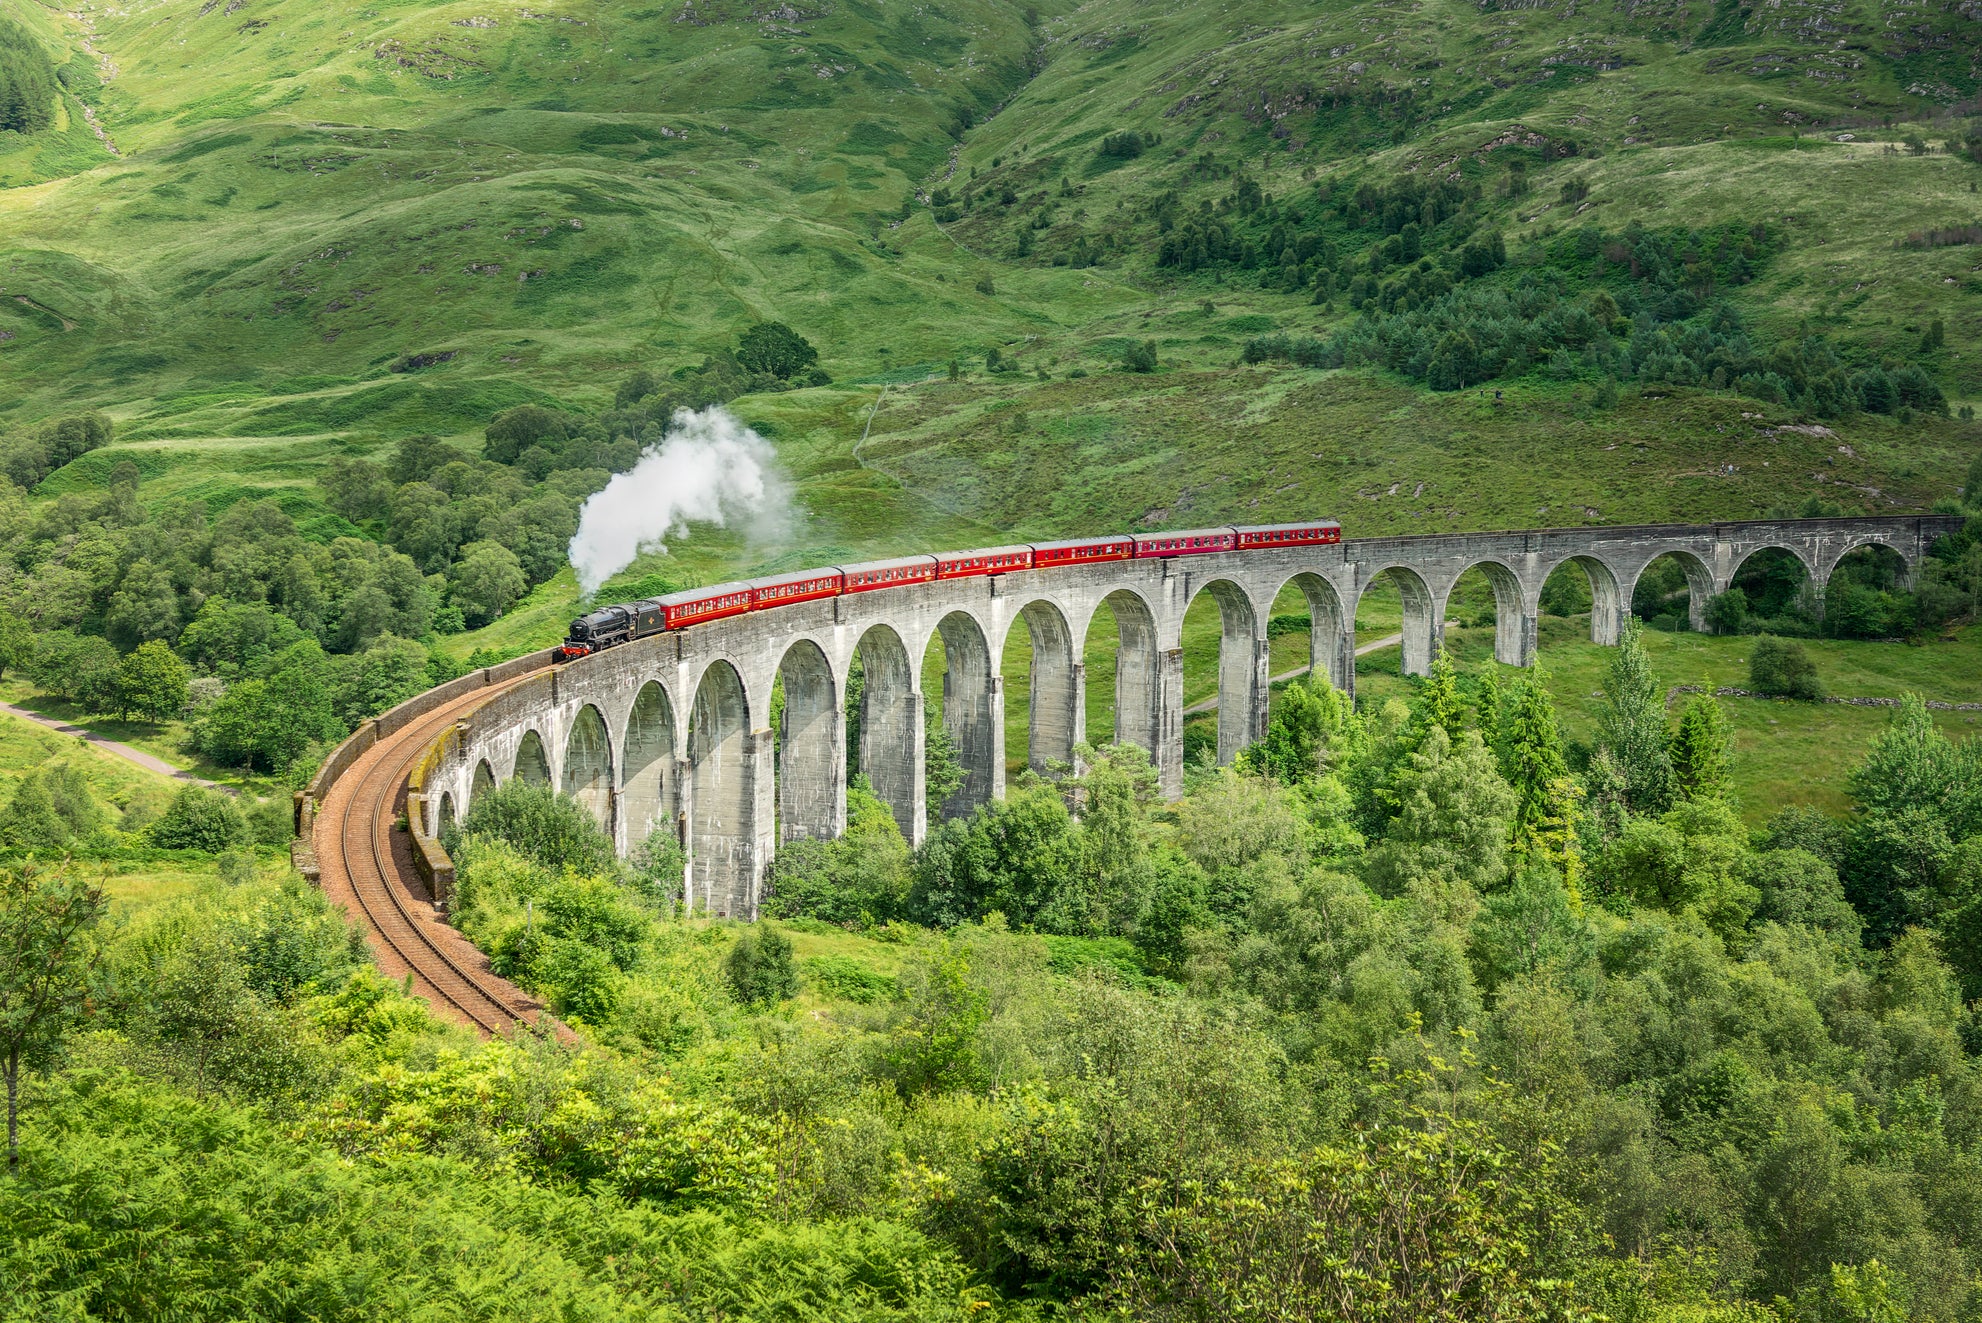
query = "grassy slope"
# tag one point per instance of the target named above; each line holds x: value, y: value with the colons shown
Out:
x: 120, y: 785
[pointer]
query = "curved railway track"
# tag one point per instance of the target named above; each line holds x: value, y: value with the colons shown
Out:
x: 367, y: 866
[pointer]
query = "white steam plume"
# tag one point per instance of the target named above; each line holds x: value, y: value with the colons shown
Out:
x: 708, y: 469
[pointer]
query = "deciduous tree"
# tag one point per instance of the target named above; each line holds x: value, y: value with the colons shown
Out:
x: 48, y: 953
x: 153, y: 682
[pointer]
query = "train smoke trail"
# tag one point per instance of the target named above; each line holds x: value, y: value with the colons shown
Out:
x: 708, y: 469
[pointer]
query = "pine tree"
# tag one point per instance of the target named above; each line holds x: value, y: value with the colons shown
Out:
x: 1489, y: 702
x: 1700, y: 748
x: 1439, y: 704
x: 1632, y: 726
x: 1605, y: 813
x: 1544, y: 825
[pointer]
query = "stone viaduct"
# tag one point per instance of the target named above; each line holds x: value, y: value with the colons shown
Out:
x: 675, y: 733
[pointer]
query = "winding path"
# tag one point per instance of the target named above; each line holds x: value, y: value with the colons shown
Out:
x: 366, y: 859
x: 136, y: 757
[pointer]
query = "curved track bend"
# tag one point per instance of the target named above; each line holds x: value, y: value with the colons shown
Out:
x: 367, y: 867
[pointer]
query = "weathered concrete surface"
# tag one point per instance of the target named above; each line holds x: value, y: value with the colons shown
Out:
x: 610, y: 729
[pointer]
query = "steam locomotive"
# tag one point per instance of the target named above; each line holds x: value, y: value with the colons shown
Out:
x: 610, y: 625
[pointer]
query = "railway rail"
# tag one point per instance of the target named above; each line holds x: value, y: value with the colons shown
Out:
x: 364, y: 861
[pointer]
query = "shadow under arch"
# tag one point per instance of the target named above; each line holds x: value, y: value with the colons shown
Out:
x: 1420, y: 631
x: 970, y: 713
x: 588, y: 766
x: 648, y: 792
x: 1331, y: 653
x: 890, y: 722
x: 719, y: 791
x: 811, y: 765
x: 483, y: 781
x: 1241, y: 667
x: 1054, y: 689
x: 1512, y: 645
x: 1699, y: 585
x: 444, y: 816
x: 1778, y: 579
x: 533, y: 767
x: 1880, y: 548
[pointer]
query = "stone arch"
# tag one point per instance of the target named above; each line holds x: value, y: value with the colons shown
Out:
x: 533, y: 766
x: 1607, y: 601
x: 648, y: 793
x: 444, y: 815
x: 890, y: 720
x: 1241, y: 668
x: 1138, y: 672
x: 1421, y: 624
x: 811, y: 764
x: 1330, y: 651
x: 483, y: 781
x: 1699, y: 583
x: 588, y: 771
x: 1513, y: 639
x: 719, y: 840
x: 970, y: 712
x: 1055, y: 691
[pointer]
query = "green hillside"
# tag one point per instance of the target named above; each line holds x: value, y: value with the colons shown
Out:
x: 544, y: 200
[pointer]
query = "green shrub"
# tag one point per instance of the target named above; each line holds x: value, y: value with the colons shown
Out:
x: 272, y: 821
x: 860, y: 877
x: 776, y: 349
x: 759, y: 968
x: 200, y: 819
x: 552, y: 829
x: 1727, y: 613
x: 1781, y: 669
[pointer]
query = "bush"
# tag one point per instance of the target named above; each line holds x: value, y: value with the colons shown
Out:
x: 1140, y: 357
x: 1727, y: 613
x: 271, y: 821
x: 759, y: 968
x: 1781, y: 669
x: 52, y: 808
x: 1122, y: 146
x: 552, y: 829
x: 200, y: 819
x: 861, y: 877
